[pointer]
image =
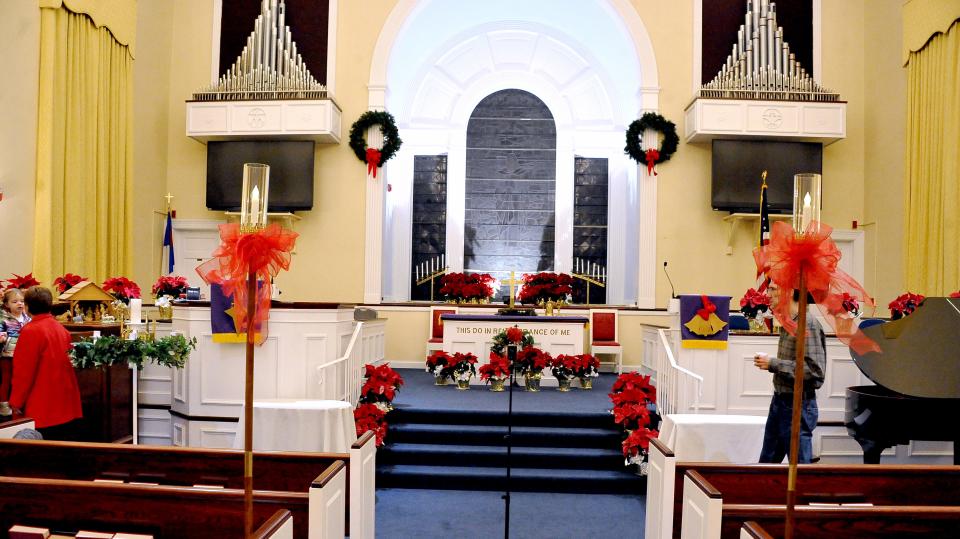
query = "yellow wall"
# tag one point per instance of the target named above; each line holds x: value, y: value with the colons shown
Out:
x: 20, y: 50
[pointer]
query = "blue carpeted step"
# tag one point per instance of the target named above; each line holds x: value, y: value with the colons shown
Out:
x: 522, y: 479
x: 562, y: 418
x: 495, y: 456
x: 493, y: 435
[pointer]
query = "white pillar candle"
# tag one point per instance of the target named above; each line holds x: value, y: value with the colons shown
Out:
x: 255, y: 206
x: 136, y: 306
x: 441, y: 262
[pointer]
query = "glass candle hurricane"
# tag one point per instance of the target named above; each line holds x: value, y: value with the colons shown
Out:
x: 256, y: 190
x: 806, y: 202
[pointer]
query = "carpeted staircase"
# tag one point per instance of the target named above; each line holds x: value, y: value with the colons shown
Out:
x: 573, y: 451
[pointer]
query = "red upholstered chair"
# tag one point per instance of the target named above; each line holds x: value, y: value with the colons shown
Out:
x: 435, y: 336
x: 604, y: 335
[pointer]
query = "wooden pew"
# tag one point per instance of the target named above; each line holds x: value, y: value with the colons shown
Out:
x: 708, y: 515
x: 273, y: 471
x: 169, y: 511
x: 279, y: 526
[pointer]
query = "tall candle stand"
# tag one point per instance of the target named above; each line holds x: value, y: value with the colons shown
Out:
x: 590, y: 280
x: 431, y: 277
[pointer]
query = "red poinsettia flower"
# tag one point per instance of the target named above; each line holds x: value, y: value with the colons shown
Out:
x: 498, y: 368
x: 67, y: 281
x: 22, y: 282
x: 632, y: 416
x: 381, y: 384
x: 466, y: 286
x: 630, y: 396
x: 850, y: 304
x: 438, y: 358
x: 170, y: 285
x: 545, y: 286
x: 904, y: 305
x: 955, y: 294
x: 122, y: 288
x: 754, y: 302
x: 637, y: 441
x: 634, y: 381
x: 514, y: 334
x: 585, y: 365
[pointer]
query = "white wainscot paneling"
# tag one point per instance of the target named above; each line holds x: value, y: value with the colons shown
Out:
x: 154, y: 426
x: 154, y: 385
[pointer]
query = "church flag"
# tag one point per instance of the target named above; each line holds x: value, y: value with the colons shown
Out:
x: 704, y: 321
x: 168, y: 241
x: 764, y: 213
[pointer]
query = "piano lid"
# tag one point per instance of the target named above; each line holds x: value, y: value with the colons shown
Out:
x: 920, y: 353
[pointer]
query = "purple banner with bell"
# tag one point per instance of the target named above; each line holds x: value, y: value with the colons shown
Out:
x: 704, y: 321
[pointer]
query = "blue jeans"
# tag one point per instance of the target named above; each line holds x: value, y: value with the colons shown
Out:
x: 776, y: 436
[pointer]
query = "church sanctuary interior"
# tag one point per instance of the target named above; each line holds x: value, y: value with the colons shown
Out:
x: 396, y: 269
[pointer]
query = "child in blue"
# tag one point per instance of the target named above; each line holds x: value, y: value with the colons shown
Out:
x: 12, y: 319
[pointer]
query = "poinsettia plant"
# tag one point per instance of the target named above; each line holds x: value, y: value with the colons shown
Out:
x: 955, y: 294
x: 122, y: 289
x: 67, y: 281
x: 463, y: 366
x: 462, y: 287
x: 532, y: 360
x: 497, y: 369
x: 849, y: 304
x: 545, y: 286
x: 753, y: 303
x: 369, y: 416
x: 22, y: 282
x: 439, y: 363
x: 563, y: 366
x: 585, y: 366
x: 170, y: 285
x: 904, y: 305
x: 521, y: 338
x: 380, y: 386
x: 634, y: 401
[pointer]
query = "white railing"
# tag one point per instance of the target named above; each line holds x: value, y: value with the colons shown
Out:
x: 678, y: 389
x: 341, y: 378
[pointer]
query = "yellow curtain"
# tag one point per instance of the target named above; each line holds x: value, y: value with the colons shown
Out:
x: 933, y: 166
x: 84, y: 150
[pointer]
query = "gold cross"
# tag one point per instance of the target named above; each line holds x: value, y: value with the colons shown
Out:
x: 169, y: 198
x: 512, y: 281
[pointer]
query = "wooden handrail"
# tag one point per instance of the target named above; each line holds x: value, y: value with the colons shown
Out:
x: 704, y: 485
x: 272, y: 525
x: 328, y: 474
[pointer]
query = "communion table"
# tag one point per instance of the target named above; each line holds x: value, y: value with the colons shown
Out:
x: 474, y: 332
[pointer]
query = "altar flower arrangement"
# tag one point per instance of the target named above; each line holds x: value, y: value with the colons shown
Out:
x: 369, y: 416
x: 904, y: 305
x: 562, y: 366
x: 495, y: 372
x: 461, y: 287
x: 463, y: 368
x: 122, y: 289
x: 634, y: 401
x: 380, y: 386
x: 521, y: 338
x: 539, y: 288
x: 753, y: 303
x: 170, y: 285
x: 67, y: 281
x: 22, y: 282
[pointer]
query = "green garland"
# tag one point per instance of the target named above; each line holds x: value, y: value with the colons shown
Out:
x: 388, y: 126
x: 500, y: 342
x: 651, y: 120
x: 171, y: 351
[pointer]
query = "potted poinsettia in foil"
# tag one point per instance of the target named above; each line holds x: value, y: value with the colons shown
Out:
x: 634, y: 401
x: 563, y: 367
x: 904, y: 305
x: 752, y: 305
x: 463, y: 368
x: 165, y: 290
x: 586, y: 367
x: 467, y: 287
x: 439, y: 364
x: 496, y: 371
x: 376, y: 400
x: 530, y: 362
x: 541, y: 288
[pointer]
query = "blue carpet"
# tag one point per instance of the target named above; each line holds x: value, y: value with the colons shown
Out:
x: 444, y: 514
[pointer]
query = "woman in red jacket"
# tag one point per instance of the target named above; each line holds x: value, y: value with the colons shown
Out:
x: 44, y: 383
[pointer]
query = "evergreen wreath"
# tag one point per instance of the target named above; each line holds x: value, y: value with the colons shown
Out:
x: 651, y: 120
x: 373, y: 157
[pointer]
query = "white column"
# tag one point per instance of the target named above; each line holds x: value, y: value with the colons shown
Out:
x: 456, y: 197
x: 563, y: 202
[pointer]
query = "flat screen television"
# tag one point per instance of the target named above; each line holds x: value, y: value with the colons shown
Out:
x: 738, y: 164
x: 291, y: 173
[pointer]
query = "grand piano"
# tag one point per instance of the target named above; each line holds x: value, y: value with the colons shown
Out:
x: 917, y: 372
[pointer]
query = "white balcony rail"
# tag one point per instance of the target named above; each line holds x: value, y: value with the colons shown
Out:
x: 678, y: 390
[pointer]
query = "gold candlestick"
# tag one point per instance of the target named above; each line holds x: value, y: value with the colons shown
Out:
x: 589, y: 280
x: 431, y: 277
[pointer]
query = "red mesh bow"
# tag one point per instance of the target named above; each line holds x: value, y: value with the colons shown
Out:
x: 652, y: 155
x: 264, y: 253
x: 373, y: 161
x: 815, y: 253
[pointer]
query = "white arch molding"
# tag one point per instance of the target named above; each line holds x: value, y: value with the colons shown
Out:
x: 590, y: 109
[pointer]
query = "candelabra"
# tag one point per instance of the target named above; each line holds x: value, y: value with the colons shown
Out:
x: 590, y: 273
x: 761, y: 65
x: 428, y: 271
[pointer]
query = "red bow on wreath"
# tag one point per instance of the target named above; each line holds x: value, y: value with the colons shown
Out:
x: 264, y: 253
x: 373, y: 161
x: 816, y: 254
x: 652, y: 155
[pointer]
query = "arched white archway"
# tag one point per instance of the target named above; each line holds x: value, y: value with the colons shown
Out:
x: 586, y: 68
